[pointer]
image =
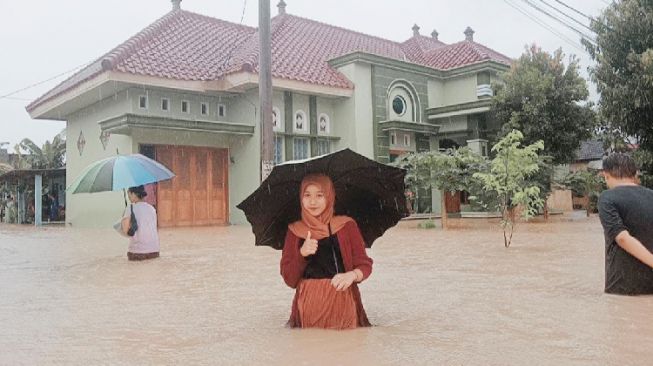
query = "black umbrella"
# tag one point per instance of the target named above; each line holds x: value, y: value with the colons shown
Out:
x: 370, y: 192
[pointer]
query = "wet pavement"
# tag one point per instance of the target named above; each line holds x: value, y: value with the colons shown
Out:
x: 456, y: 297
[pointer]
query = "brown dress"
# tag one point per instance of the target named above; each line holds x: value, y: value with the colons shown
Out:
x: 316, y: 303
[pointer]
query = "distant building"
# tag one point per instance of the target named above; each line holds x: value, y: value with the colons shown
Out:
x: 589, y: 155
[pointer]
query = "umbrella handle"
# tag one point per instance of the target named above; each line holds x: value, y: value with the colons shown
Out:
x: 124, y: 191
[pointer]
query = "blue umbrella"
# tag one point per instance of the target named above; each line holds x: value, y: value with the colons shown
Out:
x: 119, y: 172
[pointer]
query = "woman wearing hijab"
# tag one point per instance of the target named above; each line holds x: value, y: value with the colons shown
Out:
x: 324, y: 259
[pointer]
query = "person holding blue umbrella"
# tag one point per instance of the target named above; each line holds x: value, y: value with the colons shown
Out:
x: 144, y: 235
x: 120, y: 172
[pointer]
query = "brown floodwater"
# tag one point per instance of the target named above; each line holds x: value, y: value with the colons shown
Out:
x: 456, y: 297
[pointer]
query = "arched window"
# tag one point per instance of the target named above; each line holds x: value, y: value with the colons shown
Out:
x: 323, y: 124
x: 277, y: 122
x: 300, y: 122
x: 403, y: 103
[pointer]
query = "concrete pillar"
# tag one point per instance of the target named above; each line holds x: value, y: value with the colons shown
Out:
x: 38, y: 187
x: 436, y: 194
x: 18, y: 216
x: 479, y: 146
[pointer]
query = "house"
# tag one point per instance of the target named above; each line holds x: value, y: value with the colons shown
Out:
x: 37, y: 195
x: 589, y: 155
x: 184, y: 91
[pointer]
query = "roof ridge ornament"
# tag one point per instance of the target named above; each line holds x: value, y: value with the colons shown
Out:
x: 282, y: 7
x: 469, y: 34
x: 415, y: 30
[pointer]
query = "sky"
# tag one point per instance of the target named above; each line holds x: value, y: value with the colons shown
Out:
x: 44, y: 39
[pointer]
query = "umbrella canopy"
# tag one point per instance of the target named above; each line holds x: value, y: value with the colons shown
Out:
x: 119, y: 172
x: 370, y: 192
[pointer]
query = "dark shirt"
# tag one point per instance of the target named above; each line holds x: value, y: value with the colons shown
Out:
x: 327, y: 260
x: 627, y: 208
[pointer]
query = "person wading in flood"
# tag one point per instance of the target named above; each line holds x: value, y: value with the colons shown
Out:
x: 323, y: 259
x: 626, y: 213
x: 144, y: 241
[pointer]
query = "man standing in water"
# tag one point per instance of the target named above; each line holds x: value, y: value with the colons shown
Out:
x: 626, y: 213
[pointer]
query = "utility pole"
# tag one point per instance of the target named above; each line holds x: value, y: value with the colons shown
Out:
x: 265, y: 88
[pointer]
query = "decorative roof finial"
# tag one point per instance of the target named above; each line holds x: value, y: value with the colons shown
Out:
x: 282, y: 7
x: 469, y: 34
x: 435, y: 34
x: 416, y: 30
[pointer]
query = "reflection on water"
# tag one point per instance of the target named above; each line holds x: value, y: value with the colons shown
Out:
x: 457, y: 297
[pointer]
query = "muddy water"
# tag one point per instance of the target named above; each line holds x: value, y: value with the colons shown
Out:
x: 456, y: 298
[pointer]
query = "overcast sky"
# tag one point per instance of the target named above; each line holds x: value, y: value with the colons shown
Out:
x: 42, y: 39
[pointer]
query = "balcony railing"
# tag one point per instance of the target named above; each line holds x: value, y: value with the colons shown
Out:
x: 484, y: 90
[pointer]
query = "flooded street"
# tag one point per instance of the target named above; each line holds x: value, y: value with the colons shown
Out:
x: 453, y: 298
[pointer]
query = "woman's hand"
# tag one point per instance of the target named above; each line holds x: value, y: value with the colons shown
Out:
x: 309, y: 247
x: 342, y: 281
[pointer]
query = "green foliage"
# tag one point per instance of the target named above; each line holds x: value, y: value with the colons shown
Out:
x: 414, y: 179
x: 543, y: 177
x: 4, y: 168
x: 508, y: 179
x: 429, y: 224
x: 586, y: 183
x: 644, y: 159
x: 541, y: 97
x: 452, y: 170
x: 624, y: 69
x: 51, y: 155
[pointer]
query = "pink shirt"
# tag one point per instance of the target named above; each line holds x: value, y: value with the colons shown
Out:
x: 146, y: 239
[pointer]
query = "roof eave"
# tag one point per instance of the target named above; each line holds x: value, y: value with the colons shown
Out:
x: 485, y: 65
x: 51, y: 108
x: 358, y: 56
x: 242, y: 81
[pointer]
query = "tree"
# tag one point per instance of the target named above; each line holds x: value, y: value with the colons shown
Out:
x: 541, y: 97
x: 508, y: 180
x: 623, y: 53
x: 449, y: 171
x: 588, y: 184
x: 4, y: 168
x: 51, y: 155
x: 543, y: 180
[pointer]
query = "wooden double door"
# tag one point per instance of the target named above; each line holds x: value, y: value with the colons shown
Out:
x: 198, y: 194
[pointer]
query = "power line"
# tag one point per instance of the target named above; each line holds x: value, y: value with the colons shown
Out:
x: 19, y: 99
x: 592, y: 19
x: 546, y: 26
x: 574, y: 10
x: 42, y: 82
x: 567, y: 16
x: 583, y: 35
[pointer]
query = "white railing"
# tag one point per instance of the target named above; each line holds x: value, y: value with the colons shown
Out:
x: 484, y: 90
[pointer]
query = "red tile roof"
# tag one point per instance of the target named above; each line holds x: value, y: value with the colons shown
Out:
x: 416, y: 45
x: 180, y: 45
x: 187, y: 46
x: 460, y: 54
x: 301, y: 48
